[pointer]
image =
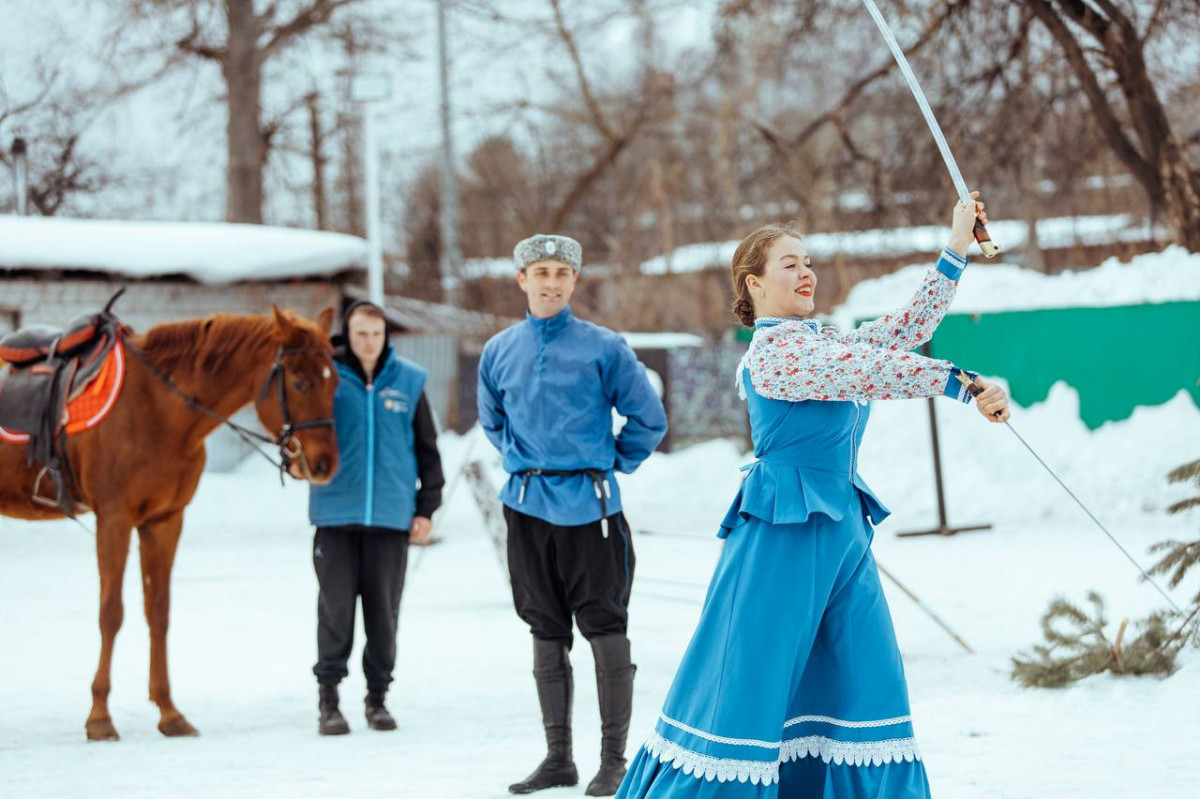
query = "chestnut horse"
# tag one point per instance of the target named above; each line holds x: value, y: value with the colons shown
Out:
x: 139, y: 468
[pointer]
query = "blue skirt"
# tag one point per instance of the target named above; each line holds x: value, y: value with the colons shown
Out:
x: 792, y: 685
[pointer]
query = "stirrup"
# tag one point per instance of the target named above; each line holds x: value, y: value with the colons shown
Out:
x: 46, y: 501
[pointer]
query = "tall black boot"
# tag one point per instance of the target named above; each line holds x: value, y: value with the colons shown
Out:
x: 614, y: 685
x: 332, y: 721
x: 552, y: 671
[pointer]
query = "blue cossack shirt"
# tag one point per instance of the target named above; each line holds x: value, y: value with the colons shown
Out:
x: 547, y: 390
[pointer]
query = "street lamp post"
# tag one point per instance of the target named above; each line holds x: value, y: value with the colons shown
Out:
x: 367, y: 88
x: 21, y: 173
x: 451, y: 247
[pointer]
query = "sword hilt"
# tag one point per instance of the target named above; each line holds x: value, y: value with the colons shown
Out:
x: 989, y: 247
x: 973, y: 388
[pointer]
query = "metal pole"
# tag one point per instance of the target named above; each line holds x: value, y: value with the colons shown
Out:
x: 374, y: 233
x: 943, y: 528
x: 451, y: 250
x: 928, y: 611
x: 21, y: 174
x: 937, y: 460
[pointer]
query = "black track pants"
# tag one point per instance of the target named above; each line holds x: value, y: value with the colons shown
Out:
x: 353, y: 562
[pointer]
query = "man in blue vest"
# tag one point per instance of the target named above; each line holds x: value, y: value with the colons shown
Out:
x: 386, y: 488
x: 547, y: 390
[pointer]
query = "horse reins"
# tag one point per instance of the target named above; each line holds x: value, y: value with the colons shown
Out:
x: 289, y: 445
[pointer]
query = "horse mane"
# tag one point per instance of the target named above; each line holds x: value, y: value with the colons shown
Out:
x: 205, y: 345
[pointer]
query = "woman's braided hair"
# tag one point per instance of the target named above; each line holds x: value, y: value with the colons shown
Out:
x: 750, y: 258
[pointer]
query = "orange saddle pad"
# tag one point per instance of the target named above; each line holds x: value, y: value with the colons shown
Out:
x: 91, y: 406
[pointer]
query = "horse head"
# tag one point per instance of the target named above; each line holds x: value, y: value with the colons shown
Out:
x: 296, y: 402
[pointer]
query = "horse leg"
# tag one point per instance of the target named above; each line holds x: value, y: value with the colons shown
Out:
x: 112, y: 550
x: 157, y: 541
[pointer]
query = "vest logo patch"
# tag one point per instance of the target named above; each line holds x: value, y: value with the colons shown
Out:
x: 394, y: 401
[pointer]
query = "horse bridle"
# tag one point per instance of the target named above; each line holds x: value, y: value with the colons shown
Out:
x: 289, y: 445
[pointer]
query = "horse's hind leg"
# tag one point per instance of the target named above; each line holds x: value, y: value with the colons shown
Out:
x: 112, y: 550
x: 157, y: 541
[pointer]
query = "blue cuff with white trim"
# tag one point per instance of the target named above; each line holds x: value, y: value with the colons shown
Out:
x: 951, y: 264
x: 955, y: 388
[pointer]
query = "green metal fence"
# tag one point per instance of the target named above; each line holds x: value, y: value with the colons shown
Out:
x: 1116, y: 358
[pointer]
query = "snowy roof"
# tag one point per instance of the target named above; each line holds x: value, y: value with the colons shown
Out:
x: 662, y: 341
x: 207, y: 252
x: 1172, y: 275
x: 421, y: 316
x: 1053, y: 233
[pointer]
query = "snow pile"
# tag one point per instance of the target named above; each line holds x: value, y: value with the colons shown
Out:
x: 1119, y: 470
x: 1171, y: 275
x: 205, y: 252
x: 1055, y: 232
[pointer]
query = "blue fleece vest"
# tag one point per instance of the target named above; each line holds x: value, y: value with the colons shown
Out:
x: 376, y: 481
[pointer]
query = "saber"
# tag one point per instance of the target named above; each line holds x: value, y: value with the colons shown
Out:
x: 974, y: 389
x: 989, y: 247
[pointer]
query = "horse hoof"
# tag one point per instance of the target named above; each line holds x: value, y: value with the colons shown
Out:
x: 102, y: 730
x: 177, y: 727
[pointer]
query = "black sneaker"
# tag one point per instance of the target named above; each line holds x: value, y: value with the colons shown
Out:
x: 332, y: 721
x: 378, y: 717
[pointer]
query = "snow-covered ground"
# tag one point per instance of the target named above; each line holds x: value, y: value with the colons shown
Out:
x: 242, y: 633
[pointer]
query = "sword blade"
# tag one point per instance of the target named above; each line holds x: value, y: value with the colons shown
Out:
x: 914, y: 85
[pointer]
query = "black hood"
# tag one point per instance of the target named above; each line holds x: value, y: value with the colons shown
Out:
x: 341, y: 342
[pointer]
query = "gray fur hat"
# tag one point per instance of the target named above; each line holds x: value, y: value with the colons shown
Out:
x: 548, y: 247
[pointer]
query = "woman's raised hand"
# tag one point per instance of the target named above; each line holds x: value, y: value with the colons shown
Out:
x: 963, y: 224
x: 992, y: 402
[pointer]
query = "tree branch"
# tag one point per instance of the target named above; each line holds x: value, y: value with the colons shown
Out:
x: 1156, y: 17
x: 581, y: 77
x: 861, y: 85
x: 1110, y: 126
x: 600, y: 165
x: 319, y: 12
x: 191, y: 44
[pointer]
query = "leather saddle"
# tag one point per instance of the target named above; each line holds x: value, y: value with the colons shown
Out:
x: 45, y: 368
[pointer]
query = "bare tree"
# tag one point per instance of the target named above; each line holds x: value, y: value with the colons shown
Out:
x: 53, y: 121
x: 615, y: 129
x: 240, y: 39
x: 1107, y: 53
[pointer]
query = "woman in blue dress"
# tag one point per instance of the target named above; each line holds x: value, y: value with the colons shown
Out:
x: 792, y: 685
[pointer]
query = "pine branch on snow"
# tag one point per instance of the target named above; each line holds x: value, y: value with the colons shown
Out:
x: 1076, y: 645
x: 1188, y: 471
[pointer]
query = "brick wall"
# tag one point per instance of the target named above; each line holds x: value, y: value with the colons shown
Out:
x: 148, y: 303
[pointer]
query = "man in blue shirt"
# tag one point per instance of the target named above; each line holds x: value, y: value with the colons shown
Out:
x: 387, y: 486
x: 547, y: 390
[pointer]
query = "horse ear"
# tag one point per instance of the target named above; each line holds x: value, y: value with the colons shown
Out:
x: 283, y: 325
x: 325, y: 320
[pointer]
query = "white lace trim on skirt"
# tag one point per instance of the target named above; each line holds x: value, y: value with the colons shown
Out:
x: 759, y: 772
x: 853, y: 753
x: 766, y: 772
